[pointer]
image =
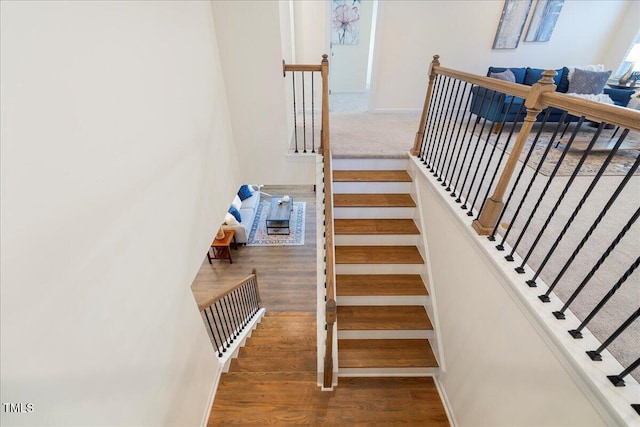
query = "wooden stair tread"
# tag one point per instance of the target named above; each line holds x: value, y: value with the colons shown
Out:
x: 385, y: 353
x: 375, y: 226
x: 379, y: 284
x: 377, y: 255
x: 384, y: 200
x: 371, y: 176
x: 385, y: 317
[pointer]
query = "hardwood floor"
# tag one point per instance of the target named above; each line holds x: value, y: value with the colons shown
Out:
x: 286, y: 274
x: 274, y: 382
x: 274, y: 379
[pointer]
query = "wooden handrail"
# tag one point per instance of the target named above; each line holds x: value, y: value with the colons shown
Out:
x: 330, y: 306
x: 299, y: 67
x: 212, y: 300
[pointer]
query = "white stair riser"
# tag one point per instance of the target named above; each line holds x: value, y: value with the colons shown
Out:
x: 371, y: 187
x: 369, y: 164
x: 384, y: 300
x: 379, y: 268
x: 377, y: 239
x: 386, y: 334
x: 388, y: 372
x: 368, y: 213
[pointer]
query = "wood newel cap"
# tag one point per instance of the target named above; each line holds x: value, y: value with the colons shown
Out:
x: 547, y: 77
x: 254, y: 272
x: 436, y: 60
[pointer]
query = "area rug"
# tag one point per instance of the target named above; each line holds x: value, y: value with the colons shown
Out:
x: 259, y: 237
x: 619, y: 165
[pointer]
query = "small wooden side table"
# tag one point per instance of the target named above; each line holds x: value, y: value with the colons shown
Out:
x: 222, y: 248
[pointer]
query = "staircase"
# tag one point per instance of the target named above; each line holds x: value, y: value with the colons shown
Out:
x: 383, y: 324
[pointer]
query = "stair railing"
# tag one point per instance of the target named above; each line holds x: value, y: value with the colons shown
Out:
x: 304, y: 140
x: 228, y: 314
x: 482, y: 138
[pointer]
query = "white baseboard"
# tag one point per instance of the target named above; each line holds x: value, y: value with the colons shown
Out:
x: 445, y: 402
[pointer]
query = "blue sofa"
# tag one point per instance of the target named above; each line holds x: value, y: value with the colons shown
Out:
x: 498, y: 107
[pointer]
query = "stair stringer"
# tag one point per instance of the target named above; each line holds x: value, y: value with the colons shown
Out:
x: 432, y: 308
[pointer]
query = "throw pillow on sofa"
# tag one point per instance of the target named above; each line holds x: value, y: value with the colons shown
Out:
x: 507, y: 75
x: 237, y: 203
x: 561, y: 80
x: 588, y: 82
x: 245, y: 192
x: 236, y: 213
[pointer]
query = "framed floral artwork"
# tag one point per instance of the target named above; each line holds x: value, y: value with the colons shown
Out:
x: 345, y: 21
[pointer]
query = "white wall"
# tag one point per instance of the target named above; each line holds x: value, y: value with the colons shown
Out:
x: 249, y: 37
x: 409, y: 33
x: 117, y: 158
x: 349, y: 62
x: 500, y: 372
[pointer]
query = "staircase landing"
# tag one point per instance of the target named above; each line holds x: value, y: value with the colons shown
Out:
x: 272, y: 382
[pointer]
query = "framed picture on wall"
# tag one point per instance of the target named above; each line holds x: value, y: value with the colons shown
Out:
x: 345, y: 22
x: 543, y: 21
x: 514, y: 15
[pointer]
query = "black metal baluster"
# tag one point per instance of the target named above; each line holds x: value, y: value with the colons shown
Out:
x: 484, y: 149
x: 233, y: 318
x: 459, y: 125
x: 245, y: 303
x: 236, y: 310
x: 618, y: 381
x: 313, y: 117
x: 572, y: 178
x: 464, y: 136
x: 585, y: 196
x: 605, y: 209
x: 595, y: 354
x: 438, y: 127
x: 500, y: 158
x: 223, y: 324
x: 221, y: 334
x: 213, y: 335
x: 594, y: 269
x: 448, y: 135
x: 544, y: 191
x: 444, y: 136
x: 225, y: 319
x: 433, y: 114
x: 575, y: 333
x: 473, y: 155
x: 428, y: 124
x: 491, y: 237
x: 295, y: 118
x: 304, y: 118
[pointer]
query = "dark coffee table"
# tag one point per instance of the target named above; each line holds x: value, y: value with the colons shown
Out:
x: 279, y: 216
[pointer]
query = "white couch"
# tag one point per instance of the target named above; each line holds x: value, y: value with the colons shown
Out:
x: 247, y: 211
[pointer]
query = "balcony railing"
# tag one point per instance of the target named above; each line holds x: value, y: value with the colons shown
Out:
x: 552, y: 179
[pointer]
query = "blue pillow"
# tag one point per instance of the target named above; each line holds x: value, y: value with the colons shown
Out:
x: 560, y: 80
x: 244, y: 192
x: 236, y: 213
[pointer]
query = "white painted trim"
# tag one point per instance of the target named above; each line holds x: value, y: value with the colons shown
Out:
x: 432, y: 308
x: 389, y: 372
x: 612, y: 403
x: 445, y: 402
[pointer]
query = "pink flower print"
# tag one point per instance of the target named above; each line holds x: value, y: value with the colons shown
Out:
x: 343, y: 20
